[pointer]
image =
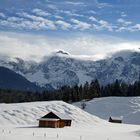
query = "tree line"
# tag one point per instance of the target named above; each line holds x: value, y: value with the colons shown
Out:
x: 72, y: 94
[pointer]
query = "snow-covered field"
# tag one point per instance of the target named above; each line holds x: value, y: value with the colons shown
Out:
x: 19, y: 121
x: 127, y: 107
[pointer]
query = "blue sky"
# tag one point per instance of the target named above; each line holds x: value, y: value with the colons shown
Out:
x: 61, y: 18
x: 102, y: 16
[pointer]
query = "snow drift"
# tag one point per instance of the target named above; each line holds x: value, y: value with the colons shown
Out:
x: 28, y: 113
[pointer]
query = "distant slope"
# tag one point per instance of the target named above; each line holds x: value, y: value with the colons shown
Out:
x: 28, y: 113
x: 11, y: 80
x: 128, y: 107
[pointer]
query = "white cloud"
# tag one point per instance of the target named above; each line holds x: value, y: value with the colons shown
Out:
x: 102, y: 5
x: 35, y: 47
x: 124, y: 22
x: 125, y: 25
x: 40, y: 21
x: 120, y: 29
x: 2, y: 15
x: 14, y: 19
x: 97, y: 27
x: 40, y: 12
x: 92, y: 18
x: 105, y: 24
x: 74, y: 3
x: 137, y: 26
x: 70, y: 13
x: 92, y: 12
x: 102, y: 24
x: 58, y: 17
x: 64, y: 25
x: 80, y: 24
x: 20, y: 23
x: 51, y: 6
x: 123, y: 14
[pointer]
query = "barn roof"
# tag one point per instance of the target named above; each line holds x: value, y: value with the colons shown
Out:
x: 63, y: 116
x: 59, y: 115
x: 116, y: 118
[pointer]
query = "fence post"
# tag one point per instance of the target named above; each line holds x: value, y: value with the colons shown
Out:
x: 57, y: 136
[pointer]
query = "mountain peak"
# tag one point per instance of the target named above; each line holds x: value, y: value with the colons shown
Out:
x: 60, y: 52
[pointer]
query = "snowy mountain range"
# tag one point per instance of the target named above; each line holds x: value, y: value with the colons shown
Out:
x: 61, y: 69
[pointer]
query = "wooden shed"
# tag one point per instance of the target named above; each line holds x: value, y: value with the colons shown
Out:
x: 115, y: 119
x: 55, y: 120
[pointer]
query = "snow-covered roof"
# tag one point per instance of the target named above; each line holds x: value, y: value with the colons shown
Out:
x: 63, y: 116
x: 116, y: 118
x: 59, y: 115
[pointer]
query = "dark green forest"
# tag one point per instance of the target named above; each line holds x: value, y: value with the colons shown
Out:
x: 72, y: 94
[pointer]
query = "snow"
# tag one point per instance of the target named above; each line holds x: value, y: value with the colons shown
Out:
x: 128, y: 108
x: 83, y: 78
x: 90, y: 133
x: 37, y: 77
x: 28, y: 113
x: 19, y: 121
x: 60, y: 69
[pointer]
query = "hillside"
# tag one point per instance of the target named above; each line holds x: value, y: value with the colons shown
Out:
x: 11, y: 80
x: 19, y: 121
x: 28, y: 113
x: 127, y: 107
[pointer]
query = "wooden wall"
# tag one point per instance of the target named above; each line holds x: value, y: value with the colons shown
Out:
x: 54, y: 124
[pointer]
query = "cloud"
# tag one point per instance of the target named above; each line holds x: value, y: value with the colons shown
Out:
x: 125, y: 25
x: 124, y: 22
x: 84, y: 46
x: 51, y: 6
x: 40, y: 21
x: 64, y: 25
x: 80, y: 24
x: 77, y: 15
x: 92, y: 12
x: 137, y: 26
x: 2, y: 15
x: 58, y: 17
x: 15, y: 19
x: 123, y: 14
x: 27, y: 24
x: 101, y: 24
x: 106, y: 25
x: 74, y: 3
x: 102, y: 5
x: 40, y: 12
x: 92, y: 18
x: 70, y: 13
